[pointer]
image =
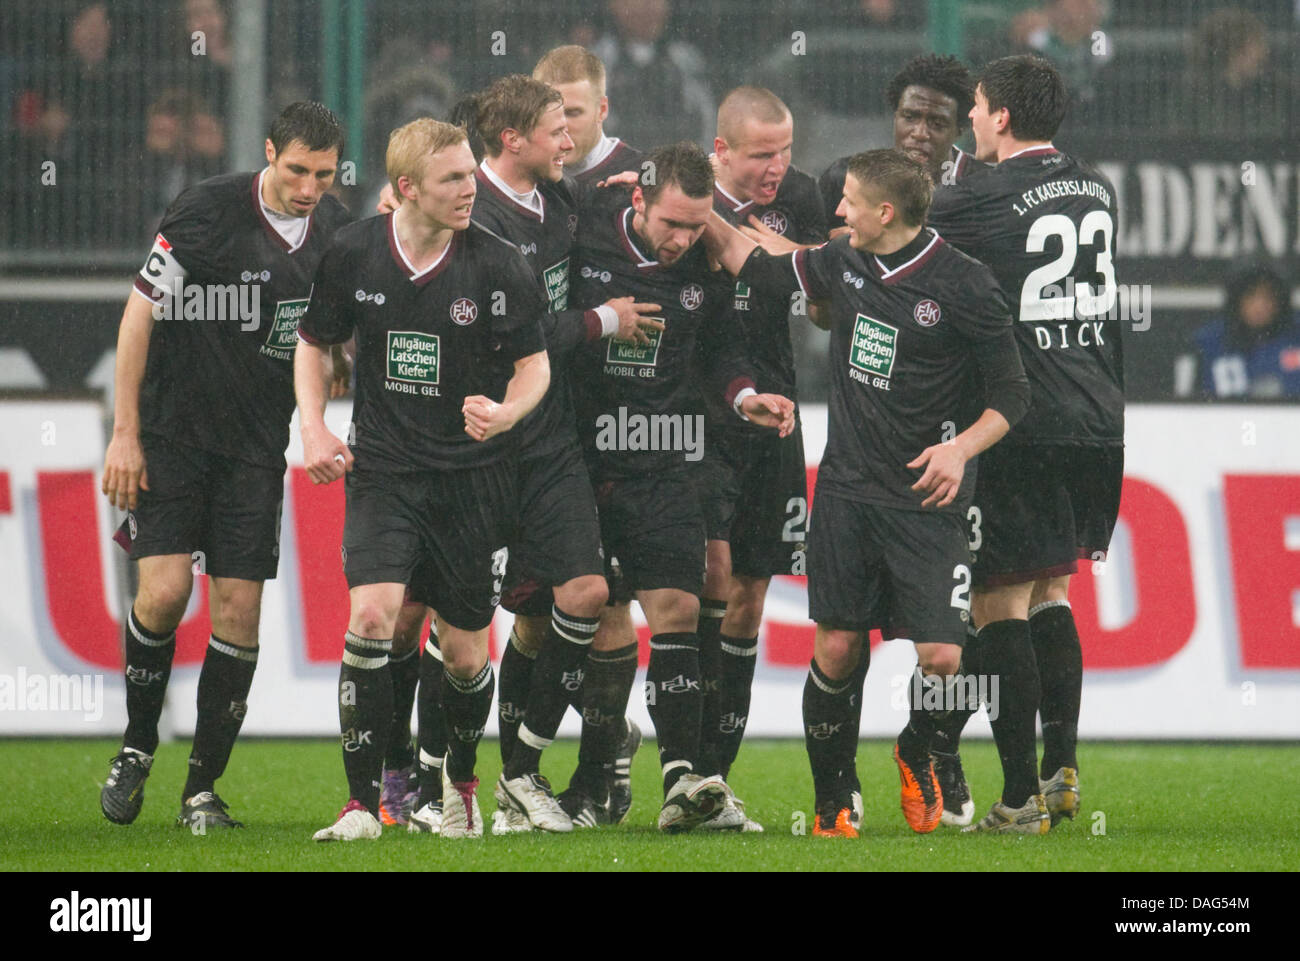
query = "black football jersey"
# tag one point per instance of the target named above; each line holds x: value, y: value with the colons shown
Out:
x: 624, y: 380
x: 1045, y: 223
x: 913, y: 336
x: 957, y: 167
x: 220, y: 370
x: 425, y: 341
x: 796, y: 213
x: 621, y: 158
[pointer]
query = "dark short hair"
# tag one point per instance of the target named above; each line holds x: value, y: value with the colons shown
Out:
x: 311, y: 124
x: 1032, y: 91
x: 682, y: 163
x: 465, y: 114
x: 902, y: 181
x: 946, y: 75
x: 513, y: 102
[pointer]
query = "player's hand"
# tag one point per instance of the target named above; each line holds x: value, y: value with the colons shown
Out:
x: 840, y: 231
x: 342, y: 376
x: 125, y: 472
x: 388, y: 201
x: 326, y: 457
x: 635, y: 320
x: 625, y: 178
x: 944, y: 465
x: 485, y: 418
x: 767, y: 238
x: 770, y: 410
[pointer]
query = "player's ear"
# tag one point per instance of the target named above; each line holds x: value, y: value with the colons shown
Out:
x: 638, y: 201
x: 720, y: 148
x: 270, y: 151
x: 602, y: 111
x: 510, y: 139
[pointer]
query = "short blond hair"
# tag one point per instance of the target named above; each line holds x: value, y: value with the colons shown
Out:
x: 748, y: 103
x: 411, y: 145
x: 571, y: 64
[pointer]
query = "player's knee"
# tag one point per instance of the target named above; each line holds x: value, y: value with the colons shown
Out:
x: 943, y: 660
x: 373, y: 619
x: 583, y: 596
x: 463, y: 656
x: 837, y: 653
x: 530, y: 633
x: 161, y: 601
x: 745, y: 609
x: 681, y: 615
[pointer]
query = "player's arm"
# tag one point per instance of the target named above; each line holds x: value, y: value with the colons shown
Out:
x: 326, y: 457
x: 1006, y: 398
x: 485, y: 418
x: 125, y: 471
x: 622, y: 318
x: 722, y: 347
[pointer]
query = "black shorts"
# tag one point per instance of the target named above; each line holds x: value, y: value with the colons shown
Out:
x: 443, y: 533
x: 905, y: 572
x: 224, y: 513
x: 653, y: 534
x: 1039, y: 508
x: 754, y: 492
x: 559, y: 532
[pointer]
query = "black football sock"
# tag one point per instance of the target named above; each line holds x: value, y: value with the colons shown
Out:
x: 148, y: 658
x: 710, y: 634
x: 405, y: 671
x: 1060, y: 671
x: 365, y: 713
x: 224, y: 682
x: 559, y: 670
x: 925, y: 694
x: 432, y: 734
x: 947, y: 733
x: 516, y: 680
x: 726, y: 726
x: 847, y: 758
x: 673, y: 698
x: 829, y: 732
x: 466, y: 703
x: 609, y: 681
x: 1007, y: 657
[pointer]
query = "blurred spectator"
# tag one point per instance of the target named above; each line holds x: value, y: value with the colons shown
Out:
x: 207, y: 47
x: 1254, y: 350
x: 185, y: 142
x: 1069, y: 33
x: 1228, y: 76
x: 658, y: 88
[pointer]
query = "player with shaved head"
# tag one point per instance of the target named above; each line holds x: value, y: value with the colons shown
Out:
x: 752, y: 482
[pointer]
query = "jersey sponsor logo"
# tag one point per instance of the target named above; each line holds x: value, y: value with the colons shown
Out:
x: 926, y: 313
x: 284, y: 327
x: 413, y: 356
x: 463, y: 312
x: 775, y: 220
x: 250, y: 275
x: 591, y: 273
x: 642, y: 355
x: 556, y: 279
x: 692, y: 296
x: 376, y: 298
x: 874, y: 346
x: 853, y: 280
x: 741, y: 300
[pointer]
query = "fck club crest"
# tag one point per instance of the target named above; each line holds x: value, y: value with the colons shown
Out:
x: 775, y: 221
x: 926, y: 313
x: 692, y: 296
x: 463, y: 311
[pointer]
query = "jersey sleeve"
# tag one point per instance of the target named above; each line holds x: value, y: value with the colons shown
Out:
x: 721, y: 345
x: 329, y: 318
x: 517, y: 322
x: 181, y: 246
x: 985, y: 321
x: 804, y: 270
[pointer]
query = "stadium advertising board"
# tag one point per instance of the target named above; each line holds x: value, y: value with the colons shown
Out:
x: 1191, y: 628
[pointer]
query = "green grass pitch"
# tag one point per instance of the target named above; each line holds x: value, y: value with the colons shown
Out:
x: 1161, y: 807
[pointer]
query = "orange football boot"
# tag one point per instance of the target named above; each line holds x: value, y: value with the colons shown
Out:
x: 922, y: 802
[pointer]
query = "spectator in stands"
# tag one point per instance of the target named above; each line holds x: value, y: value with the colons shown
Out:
x: 658, y: 88
x: 1253, y: 351
x: 1228, y: 77
x: 184, y: 144
x: 1070, y: 34
x: 210, y: 70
